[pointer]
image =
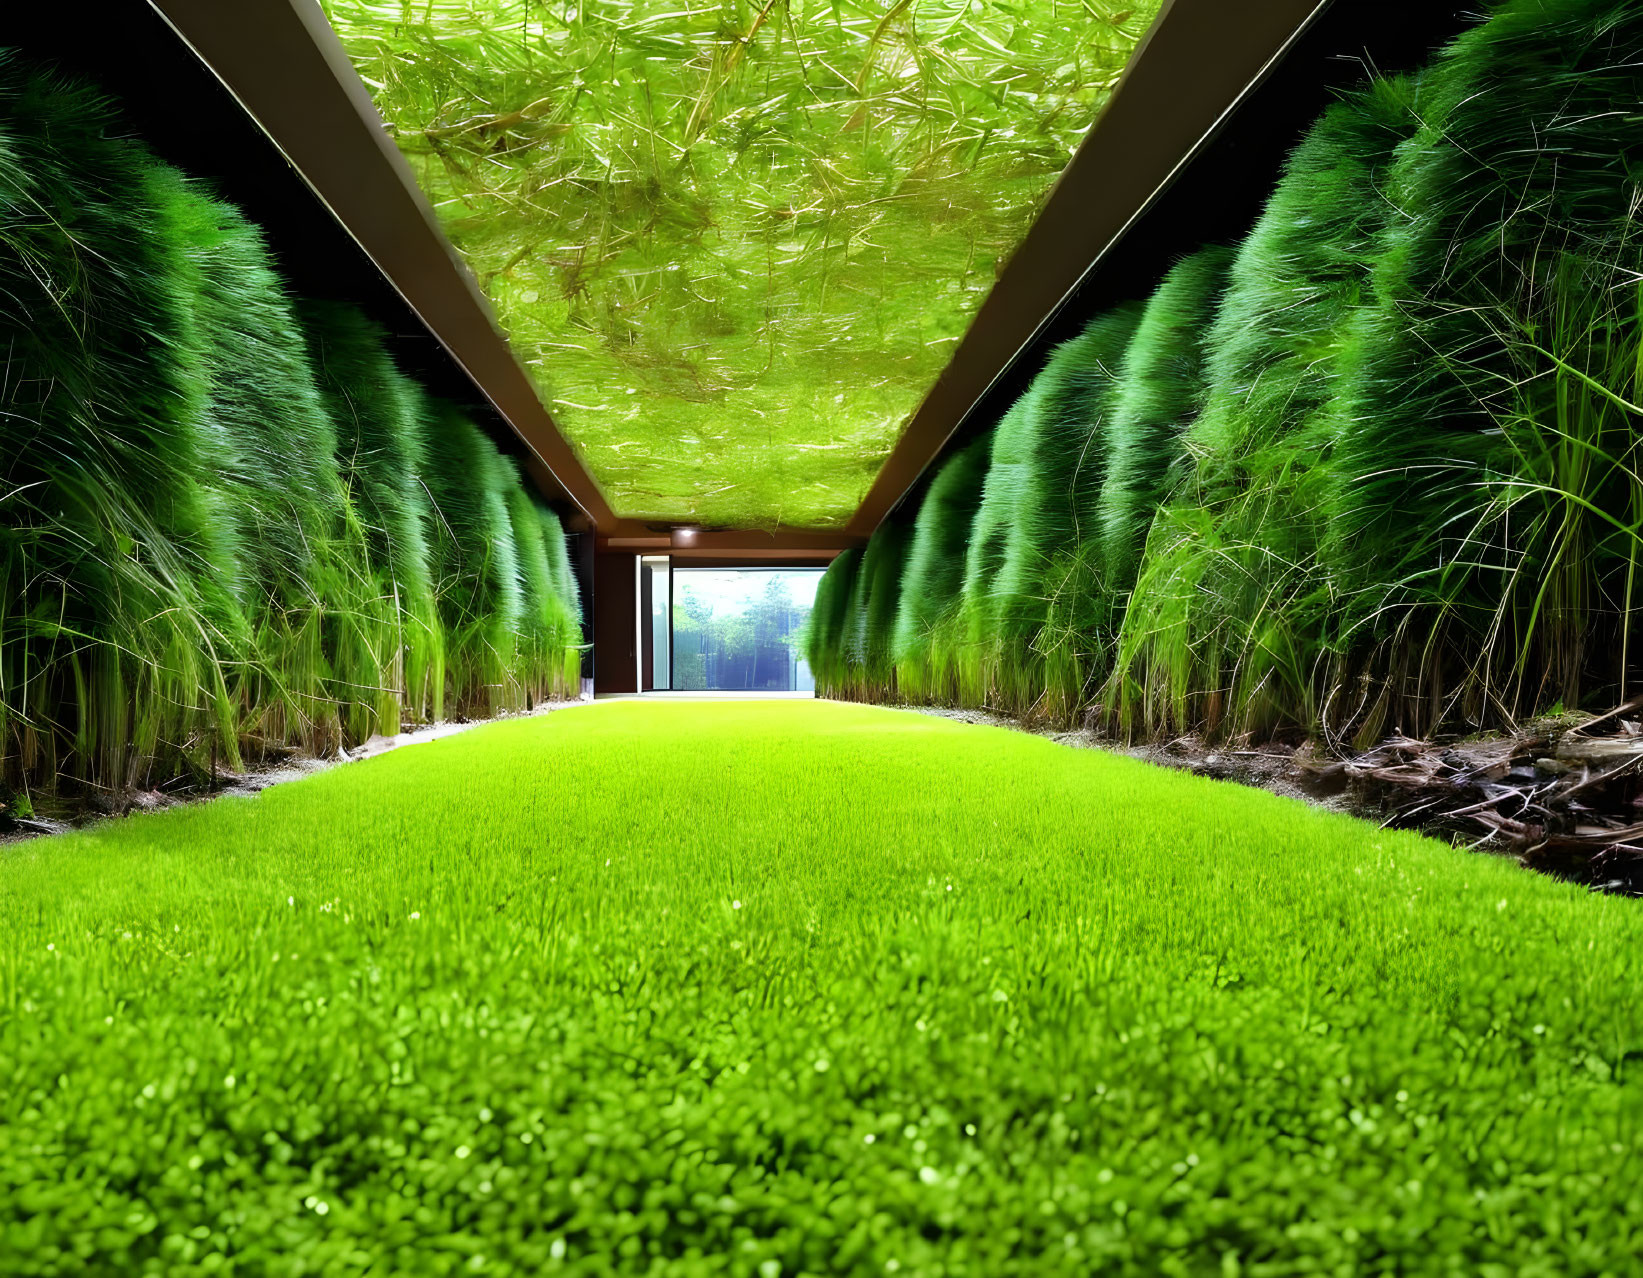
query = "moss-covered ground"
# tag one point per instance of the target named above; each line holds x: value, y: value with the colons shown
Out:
x: 789, y: 987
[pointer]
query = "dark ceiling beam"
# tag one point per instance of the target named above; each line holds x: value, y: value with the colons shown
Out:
x: 287, y: 68
x: 1199, y: 59
x: 791, y: 546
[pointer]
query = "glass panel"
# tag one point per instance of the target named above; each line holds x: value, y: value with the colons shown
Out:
x: 657, y: 645
x: 737, y: 629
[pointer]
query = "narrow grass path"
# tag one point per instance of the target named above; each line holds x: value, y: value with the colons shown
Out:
x: 783, y: 988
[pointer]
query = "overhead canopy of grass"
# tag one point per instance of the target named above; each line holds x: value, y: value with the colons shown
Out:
x: 734, y: 243
x: 859, y: 986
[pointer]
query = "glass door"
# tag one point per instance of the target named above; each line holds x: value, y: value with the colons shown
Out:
x: 740, y: 629
x: 655, y: 623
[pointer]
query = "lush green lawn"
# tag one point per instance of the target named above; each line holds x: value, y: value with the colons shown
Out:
x: 781, y: 988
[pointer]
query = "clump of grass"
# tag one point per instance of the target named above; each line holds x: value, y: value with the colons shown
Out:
x: 213, y: 523
x: 476, y: 562
x: 394, y: 641
x: 568, y: 597
x: 973, y: 636
x: 560, y: 569
x: 305, y: 574
x: 1485, y: 511
x: 119, y: 616
x: 875, y: 596
x: 1159, y: 390
x: 1149, y: 391
x: 1051, y: 501
x: 933, y: 575
x: 830, y: 620
x: 873, y: 987
x: 548, y: 631
x: 1227, y: 626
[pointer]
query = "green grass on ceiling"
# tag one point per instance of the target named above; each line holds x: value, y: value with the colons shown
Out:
x: 734, y: 243
x: 786, y: 988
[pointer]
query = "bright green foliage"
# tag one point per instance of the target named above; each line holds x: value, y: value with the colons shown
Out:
x: 734, y: 244
x: 213, y: 519
x: 1411, y: 496
x: 304, y: 580
x: 569, y: 592
x: 557, y: 601
x: 1486, y: 505
x: 974, y: 632
x: 1230, y: 598
x: 1046, y: 630
x: 560, y: 571
x: 382, y: 423
x: 1043, y: 474
x: 108, y: 658
x: 1132, y: 383
x: 1157, y: 394
x: 826, y: 634
x: 548, y: 634
x: 476, y: 561
x: 871, y: 987
x: 933, y: 574
x: 875, y: 596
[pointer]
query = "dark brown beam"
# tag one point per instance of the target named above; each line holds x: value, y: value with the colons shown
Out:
x: 792, y: 546
x: 287, y: 68
x: 1194, y: 65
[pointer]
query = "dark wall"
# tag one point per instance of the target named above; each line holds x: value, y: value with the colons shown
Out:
x: 615, y: 622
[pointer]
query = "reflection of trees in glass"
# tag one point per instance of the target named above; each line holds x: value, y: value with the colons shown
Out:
x: 729, y: 644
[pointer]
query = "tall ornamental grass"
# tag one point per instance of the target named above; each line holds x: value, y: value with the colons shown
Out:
x: 476, y: 562
x: 1049, y: 505
x: 1226, y: 627
x: 830, y: 616
x: 548, y: 631
x: 215, y: 526
x: 1485, y: 510
x: 874, y: 598
x: 1378, y: 473
x: 974, y: 636
x: 117, y: 616
x: 1159, y: 390
x: 562, y: 574
x: 933, y: 575
x: 395, y: 654
x: 304, y: 582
